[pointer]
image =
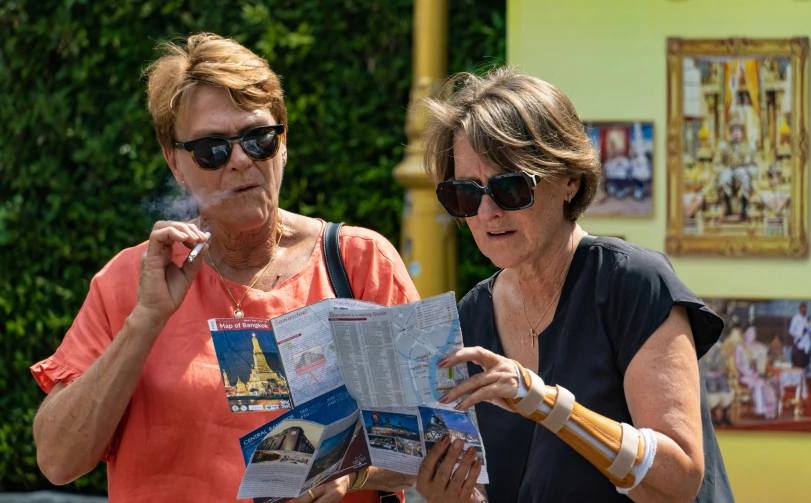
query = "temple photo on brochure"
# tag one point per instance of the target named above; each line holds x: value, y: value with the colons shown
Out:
x: 437, y: 423
x: 292, y: 441
x: 393, y: 431
x: 330, y: 454
x: 252, y: 372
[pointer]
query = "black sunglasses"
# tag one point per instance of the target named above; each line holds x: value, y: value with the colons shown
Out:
x: 213, y: 152
x: 511, y: 191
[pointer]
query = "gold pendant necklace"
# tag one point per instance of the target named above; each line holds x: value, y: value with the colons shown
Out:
x: 532, y: 334
x: 238, y: 312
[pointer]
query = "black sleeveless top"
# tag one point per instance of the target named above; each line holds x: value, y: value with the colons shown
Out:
x: 615, y: 296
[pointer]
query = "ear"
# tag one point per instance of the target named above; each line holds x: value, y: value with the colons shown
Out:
x: 571, y: 188
x: 283, y: 150
x: 171, y: 160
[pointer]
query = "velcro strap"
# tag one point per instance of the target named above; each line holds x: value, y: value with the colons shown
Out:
x: 561, y: 411
x: 629, y: 446
x: 534, y: 396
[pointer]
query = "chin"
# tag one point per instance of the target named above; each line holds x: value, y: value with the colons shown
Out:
x: 504, y: 259
x: 503, y: 255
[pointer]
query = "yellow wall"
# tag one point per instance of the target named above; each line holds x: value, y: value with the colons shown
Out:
x: 608, y: 56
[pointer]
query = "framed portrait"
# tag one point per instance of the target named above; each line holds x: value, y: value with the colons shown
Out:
x: 625, y: 150
x: 757, y: 374
x: 737, y: 147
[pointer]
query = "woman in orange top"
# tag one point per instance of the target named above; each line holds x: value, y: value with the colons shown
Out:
x: 135, y: 381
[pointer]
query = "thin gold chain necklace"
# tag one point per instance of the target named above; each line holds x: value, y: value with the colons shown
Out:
x: 532, y: 334
x: 238, y: 312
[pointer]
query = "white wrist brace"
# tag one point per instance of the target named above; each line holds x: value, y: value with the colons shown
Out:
x: 621, y: 452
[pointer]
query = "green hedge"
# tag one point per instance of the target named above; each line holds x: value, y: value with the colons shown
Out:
x: 81, y: 175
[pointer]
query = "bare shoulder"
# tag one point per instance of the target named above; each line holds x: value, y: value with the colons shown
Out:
x: 300, y: 229
x: 302, y: 232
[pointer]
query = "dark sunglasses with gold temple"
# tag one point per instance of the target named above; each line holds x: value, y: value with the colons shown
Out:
x: 214, y: 152
x: 510, y: 191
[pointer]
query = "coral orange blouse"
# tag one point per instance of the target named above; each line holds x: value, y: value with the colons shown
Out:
x: 178, y: 439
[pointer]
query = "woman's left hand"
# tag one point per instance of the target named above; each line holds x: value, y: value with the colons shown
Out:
x: 438, y: 482
x: 329, y: 492
x: 498, y: 382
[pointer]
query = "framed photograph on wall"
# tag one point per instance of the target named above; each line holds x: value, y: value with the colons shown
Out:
x: 757, y: 374
x: 737, y: 147
x: 626, y: 155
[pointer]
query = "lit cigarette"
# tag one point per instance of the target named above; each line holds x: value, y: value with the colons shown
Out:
x: 199, y: 247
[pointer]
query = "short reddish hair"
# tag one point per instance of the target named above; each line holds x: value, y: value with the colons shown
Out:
x: 209, y: 59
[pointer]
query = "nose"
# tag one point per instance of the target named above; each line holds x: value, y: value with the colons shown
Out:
x: 239, y: 160
x: 489, y: 209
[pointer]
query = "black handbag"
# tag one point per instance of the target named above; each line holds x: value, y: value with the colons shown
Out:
x: 339, y: 281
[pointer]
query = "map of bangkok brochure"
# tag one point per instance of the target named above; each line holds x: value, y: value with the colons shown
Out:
x: 359, y: 383
x: 330, y: 437
x: 385, y: 356
x: 252, y: 367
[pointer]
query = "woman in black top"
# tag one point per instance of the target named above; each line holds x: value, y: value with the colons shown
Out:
x: 606, y: 320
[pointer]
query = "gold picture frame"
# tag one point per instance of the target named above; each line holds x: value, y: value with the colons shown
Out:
x: 737, y: 147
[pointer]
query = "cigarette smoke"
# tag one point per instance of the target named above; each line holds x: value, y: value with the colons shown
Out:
x: 177, y: 203
x: 174, y: 203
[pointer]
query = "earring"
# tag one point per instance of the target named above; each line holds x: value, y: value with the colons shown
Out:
x: 570, y: 197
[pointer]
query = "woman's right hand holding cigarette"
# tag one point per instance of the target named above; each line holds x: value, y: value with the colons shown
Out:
x: 163, y: 285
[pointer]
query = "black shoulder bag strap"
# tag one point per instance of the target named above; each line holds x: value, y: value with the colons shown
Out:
x: 343, y: 289
x: 335, y: 265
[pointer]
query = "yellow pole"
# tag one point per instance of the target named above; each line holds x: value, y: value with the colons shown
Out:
x: 428, y: 241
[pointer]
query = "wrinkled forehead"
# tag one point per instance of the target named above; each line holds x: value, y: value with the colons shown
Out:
x: 210, y: 110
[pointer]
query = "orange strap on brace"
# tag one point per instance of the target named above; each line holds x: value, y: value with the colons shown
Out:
x: 612, y: 447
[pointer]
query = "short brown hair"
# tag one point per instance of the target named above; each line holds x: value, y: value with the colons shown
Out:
x: 514, y: 122
x: 209, y: 59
